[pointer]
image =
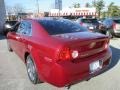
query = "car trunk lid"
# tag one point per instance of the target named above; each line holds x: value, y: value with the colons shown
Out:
x: 85, y: 43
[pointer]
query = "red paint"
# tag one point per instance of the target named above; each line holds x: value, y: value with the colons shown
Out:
x: 52, y: 53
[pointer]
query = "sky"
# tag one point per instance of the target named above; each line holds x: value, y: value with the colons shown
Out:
x: 46, y: 5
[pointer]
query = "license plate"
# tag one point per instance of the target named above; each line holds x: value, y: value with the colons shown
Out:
x: 95, y: 66
x: 91, y: 27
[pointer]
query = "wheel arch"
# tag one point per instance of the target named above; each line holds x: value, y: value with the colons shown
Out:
x: 25, y: 55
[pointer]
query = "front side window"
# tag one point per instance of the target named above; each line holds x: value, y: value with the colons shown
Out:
x: 28, y: 28
x: 25, y: 28
x: 61, y: 26
x: 21, y: 28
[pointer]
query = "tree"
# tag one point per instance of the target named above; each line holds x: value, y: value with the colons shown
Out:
x: 9, y: 10
x: 99, y: 5
x: 18, y: 8
x: 76, y: 5
x: 13, y: 11
x: 87, y: 5
x: 103, y: 14
x: 113, y: 10
x: 110, y: 6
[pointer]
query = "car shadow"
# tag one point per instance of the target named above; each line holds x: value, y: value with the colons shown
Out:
x: 115, y: 57
x: 2, y: 37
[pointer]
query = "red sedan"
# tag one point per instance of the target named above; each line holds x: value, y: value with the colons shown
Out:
x: 59, y: 51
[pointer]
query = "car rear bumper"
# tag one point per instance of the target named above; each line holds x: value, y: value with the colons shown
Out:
x: 66, y: 73
x: 117, y: 34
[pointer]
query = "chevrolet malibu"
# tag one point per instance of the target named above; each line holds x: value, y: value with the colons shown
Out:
x: 59, y: 51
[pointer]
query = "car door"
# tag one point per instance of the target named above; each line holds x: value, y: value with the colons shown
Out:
x: 11, y: 37
x: 25, y: 35
x: 18, y: 41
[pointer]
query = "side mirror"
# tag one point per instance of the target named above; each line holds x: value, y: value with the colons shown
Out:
x: 8, y: 26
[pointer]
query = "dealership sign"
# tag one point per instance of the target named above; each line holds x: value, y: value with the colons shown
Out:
x: 74, y: 12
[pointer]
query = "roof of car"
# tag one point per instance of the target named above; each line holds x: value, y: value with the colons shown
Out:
x: 49, y: 19
x: 86, y: 18
x: 114, y: 18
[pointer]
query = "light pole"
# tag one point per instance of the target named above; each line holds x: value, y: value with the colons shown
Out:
x: 38, y: 10
x: 59, y: 7
x: 94, y: 1
x: 2, y: 15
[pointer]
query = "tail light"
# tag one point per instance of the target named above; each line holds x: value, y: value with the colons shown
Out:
x: 75, y: 54
x: 81, y: 23
x: 67, y: 54
x: 114, y: 26
x: 107, y: 44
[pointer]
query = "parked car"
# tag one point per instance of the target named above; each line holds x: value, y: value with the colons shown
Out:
x: 8, y: 25
x: 91, y: 23
x: 59, y: 51
x: 112, y: 26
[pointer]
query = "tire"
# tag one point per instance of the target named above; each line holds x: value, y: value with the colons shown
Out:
x: 31, y: 70
x: 108, y: 33
x: 9, y: 48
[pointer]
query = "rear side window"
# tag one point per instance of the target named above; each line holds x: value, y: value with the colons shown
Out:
x: 89, y: 20
x: 61, y: 26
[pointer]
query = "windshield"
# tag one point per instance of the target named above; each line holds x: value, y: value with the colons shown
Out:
x: 89, y: 21
x: 61, y: 26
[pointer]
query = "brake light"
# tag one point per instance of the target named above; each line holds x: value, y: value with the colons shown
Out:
x: 81, y: 23
x: 65, y: 54
x: 68, y: 54
x: 114, y: 26
x: 106, y: 44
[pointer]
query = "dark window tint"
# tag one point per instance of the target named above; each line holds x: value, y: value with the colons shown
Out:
x: 16, y: 26
x: 117, y: 21
x: 11, y: 22
x: 108, y: 23
x: 89, y: 20
x: 61, y: 26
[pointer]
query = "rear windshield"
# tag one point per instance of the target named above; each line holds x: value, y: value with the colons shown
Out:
x: 117, y: 21
x: 61, y: 26
x: 89, y: 21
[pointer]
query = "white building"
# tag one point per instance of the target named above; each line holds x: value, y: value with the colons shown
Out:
x: 74, y: 12
x: 2, y: 14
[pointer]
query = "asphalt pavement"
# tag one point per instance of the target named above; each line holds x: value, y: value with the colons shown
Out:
x: 13, y: 75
